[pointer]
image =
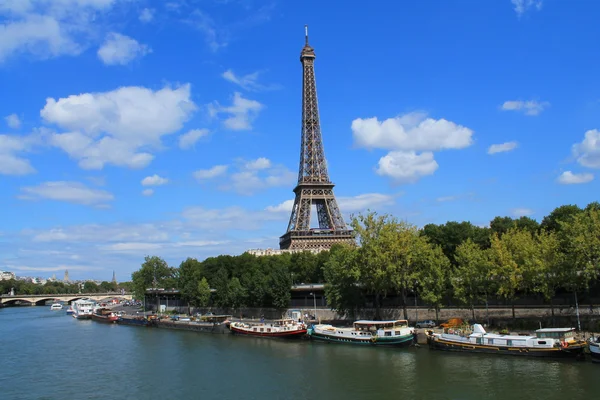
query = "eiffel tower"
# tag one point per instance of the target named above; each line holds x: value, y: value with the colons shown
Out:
x: 314, y: 186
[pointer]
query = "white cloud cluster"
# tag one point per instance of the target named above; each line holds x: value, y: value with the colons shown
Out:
x: 240, y: 114
x: 11, y: 147
x: 587, y: 152
x: 502, y: 147
x: 154, y: 180
x: 117, y: 127
x: 521, y: 6
x: 347, y: 205
x: 405, y: 136
x: 146, y: 15
x: 248, y: 82
x: 530, y: 107
x: 570, y: 178
x: 119, y: 49
x: 249, y: 177
x: 13, y: 121
x: 189, y: 139
x: 72, y: 192
x: 49, y: 28
x: 522, y: 212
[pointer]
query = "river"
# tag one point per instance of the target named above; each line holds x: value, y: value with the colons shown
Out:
x: 48, y: 355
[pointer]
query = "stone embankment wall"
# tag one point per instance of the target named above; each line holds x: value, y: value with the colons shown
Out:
x: 499, y: 317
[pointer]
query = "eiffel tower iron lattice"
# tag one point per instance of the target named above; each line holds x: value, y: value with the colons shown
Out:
x: 314, y: 186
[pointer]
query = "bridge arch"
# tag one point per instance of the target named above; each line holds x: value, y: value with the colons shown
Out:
x: 13, y: 302
x: 41, y: 302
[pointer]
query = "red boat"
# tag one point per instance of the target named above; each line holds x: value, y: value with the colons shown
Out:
x: 280, y: 328
x: 105, y: 315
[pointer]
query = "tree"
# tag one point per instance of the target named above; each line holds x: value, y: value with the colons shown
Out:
x: 527, y: 224
x: 189, y: 275
x: 374, y: 256
x: 236, y: 294
x: 154, y: 273
x: 342, y: 280
x: 580, y: 239
x: 505, y: 271
x: 203, y: 296
x: 552, y: 261
x: 433, y: 266
x: 500, y: 225
x: 470, y: 278
x: 107, y: 287
x: 563, y: 214
x: 90, y: 287
x: 279, y: 284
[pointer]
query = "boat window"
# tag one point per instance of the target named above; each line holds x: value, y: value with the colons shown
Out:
x: 397, y: 332
x: 262, y: 329
x: 268, y: 329
x: 490, y: 341
x: 388, y: 333
x: 509, y: 342
x: 542, y: 342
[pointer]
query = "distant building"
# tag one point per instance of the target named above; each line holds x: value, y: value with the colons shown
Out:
x: 277, y: 252
x: 6, y: 276
x: 66, y: 278
x: 114, y: 279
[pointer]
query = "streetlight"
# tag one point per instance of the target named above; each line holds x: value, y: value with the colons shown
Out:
x: 315, y: 302
x: 416, y: 307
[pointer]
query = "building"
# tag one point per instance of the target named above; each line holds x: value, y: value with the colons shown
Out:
x: 6, y: 276
x: 277, y: 252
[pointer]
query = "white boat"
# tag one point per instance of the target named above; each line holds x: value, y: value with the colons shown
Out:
x: 594, y: 346
x: 374, y: 333
x: 56, y: 307
x: 83, y: 309
x: 547, y: 342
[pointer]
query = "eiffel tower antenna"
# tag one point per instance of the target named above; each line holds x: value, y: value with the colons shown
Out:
x: 314, y: 186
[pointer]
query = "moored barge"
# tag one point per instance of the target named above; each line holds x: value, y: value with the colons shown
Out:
x: 280, y: 328
x: 547, y: 342
x: 594, y: 346
x: 370, y: 333
x: 105, y: 315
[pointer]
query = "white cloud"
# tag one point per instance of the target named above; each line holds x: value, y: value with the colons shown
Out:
x: 256, y: 175
x: 407, y: 166
x: 501, y: 148
x: 530, y: 107
x: 45, y: 28
x: 241, y: 113
x: 521, y: 6
x: 210, y: 173
x: 215, y: 38
x: 146, y: 15
x: 119, y: 49
x: 117, y: 127
x: 259, y: 163
x: 148, y: 192
x: 154, y: 180
x: 248, y: 82
x: 190, y: 138
x: 350, y: 204
x: 285, y: 207
x: 13, y: 121
x: 410, y: 132
x: 72, y: 192
x: 587, y: 152
x: 521, y: 212
x: 11, y: 163
x: 569, y: 178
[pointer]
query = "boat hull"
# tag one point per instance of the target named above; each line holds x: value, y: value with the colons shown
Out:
x: 105, y: 319
x: 291, y: 334
x: 81, y: 316
x: 595, y: 352
x: 398, y: 341
x: 204, y: 327
x: 137, y: 321
x: 575, y: 351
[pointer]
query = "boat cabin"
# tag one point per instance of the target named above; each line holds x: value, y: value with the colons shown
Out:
x: 364, y: 325
x: 562, y: 334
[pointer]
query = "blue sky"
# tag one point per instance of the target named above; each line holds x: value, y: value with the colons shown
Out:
x: 172, y: 128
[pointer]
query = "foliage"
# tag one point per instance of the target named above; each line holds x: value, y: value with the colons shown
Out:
x: 155, y: 272
x: 470, y: 279
x: 203, y: 293
x: 342, y: 274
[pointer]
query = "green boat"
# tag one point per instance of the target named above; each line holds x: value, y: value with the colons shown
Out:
x: 367, y: 333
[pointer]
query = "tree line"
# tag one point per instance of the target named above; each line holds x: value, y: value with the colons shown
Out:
x: 457, y: 260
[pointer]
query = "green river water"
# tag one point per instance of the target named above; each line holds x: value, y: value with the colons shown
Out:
x: 48, y: 355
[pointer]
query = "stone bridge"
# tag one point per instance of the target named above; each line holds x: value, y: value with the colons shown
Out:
x: 40, y: 299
